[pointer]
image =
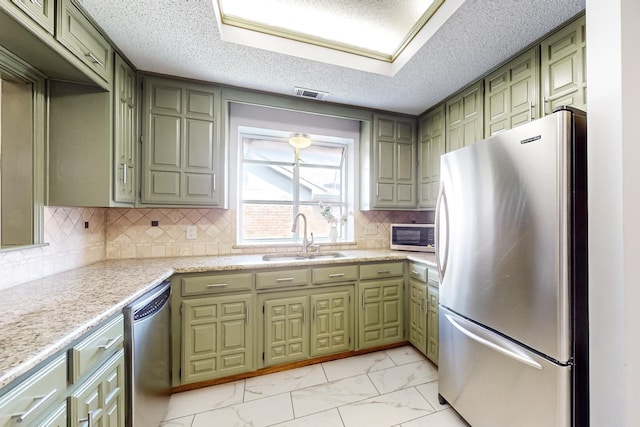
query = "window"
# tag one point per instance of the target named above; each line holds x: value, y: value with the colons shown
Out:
x: 275, y: 184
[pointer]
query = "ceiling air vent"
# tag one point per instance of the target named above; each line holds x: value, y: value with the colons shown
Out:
x: 309, y: 93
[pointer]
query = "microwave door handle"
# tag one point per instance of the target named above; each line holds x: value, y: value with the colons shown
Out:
x: 442, y: 246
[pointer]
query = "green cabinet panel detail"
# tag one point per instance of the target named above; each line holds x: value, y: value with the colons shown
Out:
x: 100, y: 398
x: 217, y: 337
x: 512, y: 93
x: 388, y: 164
x: 330, y: 325
x: 76, y: 33
x: 286, y: 334
x: 464, y: 117
x: 125, y: 132
x: 563, y: 64
x: 418, y: 315
x: 380, y: 319
x: 430, y: 147
x: 182, y: 148
x: 432, y: 322
x: 40, y: 11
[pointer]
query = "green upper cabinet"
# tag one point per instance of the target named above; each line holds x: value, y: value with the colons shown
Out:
x: 430, y: 147
x: 92, y: 142
x: 182, y: 151
x: 564, y: 71
x: 389, y: 164
x: 40, y: 11
x: 512, y: 94
x: 464, y: 117
x: 77, y: 33
x: 125, y: 132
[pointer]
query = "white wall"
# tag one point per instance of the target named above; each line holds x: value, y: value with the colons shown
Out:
x: 613, y: 64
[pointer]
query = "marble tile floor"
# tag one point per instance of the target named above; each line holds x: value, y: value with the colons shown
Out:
x: 392, y: 388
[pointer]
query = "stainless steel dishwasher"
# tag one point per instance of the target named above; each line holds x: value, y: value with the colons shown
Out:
x: 148, y: 357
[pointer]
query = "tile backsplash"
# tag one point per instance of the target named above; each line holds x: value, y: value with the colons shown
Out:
x: 69, y: 245
x: 131, y: 233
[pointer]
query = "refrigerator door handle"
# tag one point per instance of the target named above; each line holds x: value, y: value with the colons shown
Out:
x: 492, y: 341
x: 442, y: 246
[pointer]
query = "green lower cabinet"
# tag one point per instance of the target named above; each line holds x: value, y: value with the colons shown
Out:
x: 380, y: 315
x: 432, y: 322
x: 99, y: 401
x: 217, y: 337
x: 286, y: 334
x: 330, y: 325
x: 418, y: 315
x: 58, y: 418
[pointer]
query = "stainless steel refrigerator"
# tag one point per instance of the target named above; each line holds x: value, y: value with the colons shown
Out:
x: 511, y: 229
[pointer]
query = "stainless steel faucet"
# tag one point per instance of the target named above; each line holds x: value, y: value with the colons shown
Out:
x: 305, y: 242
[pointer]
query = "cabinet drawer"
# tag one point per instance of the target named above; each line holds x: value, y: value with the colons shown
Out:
x: 88, y: 353
x: 33, y: 397
x: 338, y: 273
x: 210, y: 284
x: 58, y: 418
x: 383, y: 269
x: 418, y: 272
x: 40, y: 11
x: 282, y: 279
x: 78, y: 35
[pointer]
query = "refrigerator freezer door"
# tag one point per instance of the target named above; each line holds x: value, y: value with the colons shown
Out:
x: 482, y: 376
x: 503, y: 228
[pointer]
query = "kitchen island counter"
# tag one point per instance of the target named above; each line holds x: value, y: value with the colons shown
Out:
x: 44, y: 316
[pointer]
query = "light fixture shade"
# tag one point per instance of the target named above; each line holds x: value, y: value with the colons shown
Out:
x: 300, y: 140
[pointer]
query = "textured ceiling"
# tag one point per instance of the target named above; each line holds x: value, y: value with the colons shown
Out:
x: 179, y: 37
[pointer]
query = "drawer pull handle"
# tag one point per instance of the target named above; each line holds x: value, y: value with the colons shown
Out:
x: 38, y: 401
x: 124, y: 173
x: 94, y: 59
x: 217, y: 285
x: 333, y: 275
x: 246, y: 314
x: 415, y: 272
x: 37, y: 3
x: 363, y: 301
x: 384, y: 271
x: 285, y: 279
x: 304, y: 315
x: 110, y: 343
x: 88, y: 422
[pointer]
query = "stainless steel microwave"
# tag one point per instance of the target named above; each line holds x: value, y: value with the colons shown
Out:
x: 413, y: 237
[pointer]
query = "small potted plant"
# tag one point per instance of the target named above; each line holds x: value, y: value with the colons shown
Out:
x: 325, y: 211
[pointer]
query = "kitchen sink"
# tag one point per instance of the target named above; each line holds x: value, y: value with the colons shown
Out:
x: 300, y: 255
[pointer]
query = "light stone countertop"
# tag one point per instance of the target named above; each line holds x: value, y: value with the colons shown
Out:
x: 42, y: 317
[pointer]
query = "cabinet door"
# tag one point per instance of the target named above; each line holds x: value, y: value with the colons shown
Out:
x: 125, y: 132
x: 512, y: 93
x: 418, y: 315
x: 41, y: 11
x: 432, y: 322
x: 182, y: 146
x: 380, y: 315
x: 79, y: 35
x: 464, y: 117
x: 330, y: 323
x: 394, y: 156
x: 286, y: 331
x: 100, y: 400
x: 430, y: 148
x: 216, y: 337
x: 564, y: 71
